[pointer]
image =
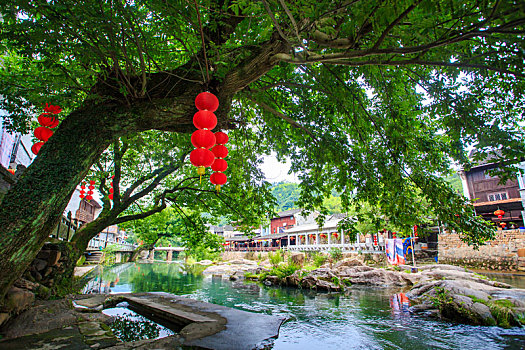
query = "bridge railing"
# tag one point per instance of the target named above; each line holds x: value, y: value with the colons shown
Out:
x: 364, y: 247
x: 98, y: 244
x: 65, y: 229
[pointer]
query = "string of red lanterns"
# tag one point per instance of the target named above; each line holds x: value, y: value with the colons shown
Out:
x: 111, y: 190
x: 203, y: 139
x: 82, y: 190
x: 91, y: 187
x: 218, y: 178
x: 49, y: 121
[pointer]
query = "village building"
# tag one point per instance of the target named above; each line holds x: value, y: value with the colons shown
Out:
x: 489, y: 195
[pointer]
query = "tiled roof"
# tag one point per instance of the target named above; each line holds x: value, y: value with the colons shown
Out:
x: 289, y: 212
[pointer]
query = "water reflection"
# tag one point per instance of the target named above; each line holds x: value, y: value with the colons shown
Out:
x: 363, y: 318
x: 130, y: 326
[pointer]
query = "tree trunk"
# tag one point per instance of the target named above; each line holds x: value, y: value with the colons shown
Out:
x: 140, y: 249
x: 33, y: 207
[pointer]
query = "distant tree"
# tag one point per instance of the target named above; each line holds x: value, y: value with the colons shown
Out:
x: 286, y: 194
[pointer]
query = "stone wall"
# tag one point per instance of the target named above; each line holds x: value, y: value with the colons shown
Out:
x: 506, y: 252
x: 226, y: 256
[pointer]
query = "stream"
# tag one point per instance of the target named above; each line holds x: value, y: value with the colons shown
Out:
x: 362, y: 318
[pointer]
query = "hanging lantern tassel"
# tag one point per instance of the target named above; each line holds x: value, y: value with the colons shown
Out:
x: 218, y: 179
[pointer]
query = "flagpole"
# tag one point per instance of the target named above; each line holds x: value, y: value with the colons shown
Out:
x: 414, y: 268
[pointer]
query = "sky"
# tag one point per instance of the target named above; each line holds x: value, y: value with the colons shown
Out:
x: 275, y: 171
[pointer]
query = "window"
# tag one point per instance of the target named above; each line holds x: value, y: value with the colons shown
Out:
x: 497, y: 196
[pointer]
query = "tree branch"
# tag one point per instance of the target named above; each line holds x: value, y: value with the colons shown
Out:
x: 394, y: 23
x: 282, y: 116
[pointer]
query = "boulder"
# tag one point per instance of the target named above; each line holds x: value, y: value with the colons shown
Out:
x: 204, y: 262
x: 348, y: 262
x: 470, y: 302
x: 273, y: 280
x: 18, y: 299
x: 4, y: 316
x: 43, y: 254
x: 40, y: 264
x: 298, y: 259
x: 54, y: 256
x: 377, y: 277
x: 312, y: 282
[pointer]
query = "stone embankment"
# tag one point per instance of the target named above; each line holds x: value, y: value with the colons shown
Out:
x: 505, y: 253
x: 443, y: 291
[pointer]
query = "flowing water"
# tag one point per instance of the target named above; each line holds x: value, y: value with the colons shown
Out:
x: 363, y: 318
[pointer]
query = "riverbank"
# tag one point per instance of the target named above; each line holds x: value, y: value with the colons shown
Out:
x: 442, y: 291
x: 79, y: 323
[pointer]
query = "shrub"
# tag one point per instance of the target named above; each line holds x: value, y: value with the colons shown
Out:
x: 336, y: 254
x: 275, y: 258
x: 319, y: 259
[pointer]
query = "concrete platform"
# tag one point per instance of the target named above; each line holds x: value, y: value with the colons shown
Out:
x: 210, y: 326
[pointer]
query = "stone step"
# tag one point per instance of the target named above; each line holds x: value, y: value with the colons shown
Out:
x: 167, y: 312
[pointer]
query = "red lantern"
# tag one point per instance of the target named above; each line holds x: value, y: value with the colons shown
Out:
x: 110, y: 196
x: 201, y: 157
x: 503, y: 224
x: 218, y: 178
x: 219, y: 165
x: 220, y: 151
x: 204, y: 120
x: 92, y: 182
x: 499, y: 213
x: 43, y: 133
x: 203, y: 139
x: 36, y: 147
x: 221, y: 138
x: 52, y: 109
x: 111, y: 190
x: 91, y: 187
x: 206, y: 101
x: 393, y: 235
x: 89, y: 197
x: 81, y: 196
x: 375, y: 239
x: 46, y: 119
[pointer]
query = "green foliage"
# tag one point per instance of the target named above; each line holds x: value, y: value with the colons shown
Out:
x: 286, y: 194
x: 319, y: 259
x: 374, y: 103
x: 275, y: 258
x: 81, y: 261
x: 455, y: 182
x: 109, y: 254
x: 251, y: 276
x: 503, y: 314
x: 336, y: 254
x: 282, y: 271
x: 200, y: 252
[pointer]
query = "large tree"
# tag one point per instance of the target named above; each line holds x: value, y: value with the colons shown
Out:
x: 366, y: 96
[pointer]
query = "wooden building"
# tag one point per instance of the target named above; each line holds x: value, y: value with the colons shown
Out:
x: 488, y: 195
x: 87, y: 211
